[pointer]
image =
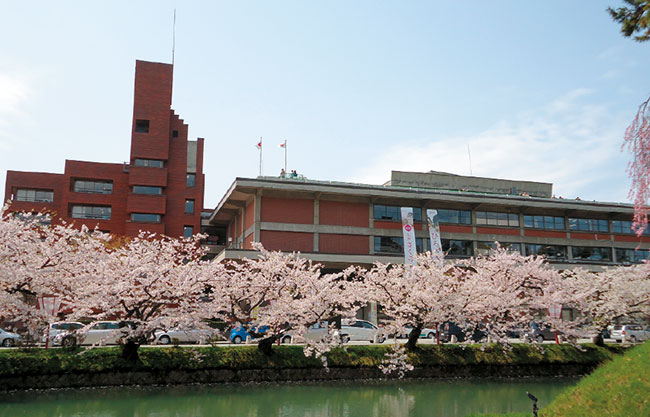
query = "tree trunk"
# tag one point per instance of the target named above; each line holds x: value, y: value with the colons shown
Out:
x: 130, y: 351
x: 266, y: 345
x: 414, y: 336
x: 599, y: 340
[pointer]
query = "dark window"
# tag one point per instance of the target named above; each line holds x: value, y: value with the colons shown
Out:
x: 144, y: 189
x: 484, y: 248
x: 91, y: 212
x: 589, y: 225
x: 174, y: 133
x: 455, y: 216
x: 40, y: 196
x: 152, y: 163
x: 587, y: 253
x: 142, y: 126
x: 389, y: 244
x: 497, y: 219
x: 633, y: 256
x: 394, y: 213
x: 145, y: 217
x: 457, y: 247
x: 544, y: 222
x: 188, y: 231
x: 191, y: 180
x: 548, y: 251
x: 189, y: 206
x: 625, y: 227
x: 93, y: 187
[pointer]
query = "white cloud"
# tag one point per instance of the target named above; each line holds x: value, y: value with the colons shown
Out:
x: 573, y: 145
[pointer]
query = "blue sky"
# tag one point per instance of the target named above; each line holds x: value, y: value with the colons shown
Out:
x: 539, y: 91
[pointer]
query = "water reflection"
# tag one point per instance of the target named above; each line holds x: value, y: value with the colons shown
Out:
x: 344, y: 399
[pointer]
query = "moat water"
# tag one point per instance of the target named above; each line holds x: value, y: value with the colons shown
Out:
x: 431, y: 398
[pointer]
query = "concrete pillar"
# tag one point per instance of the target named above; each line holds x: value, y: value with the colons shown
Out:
x: 258, y: 217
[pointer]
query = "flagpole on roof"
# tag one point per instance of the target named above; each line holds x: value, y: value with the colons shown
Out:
x: 285, y: 155
x: 259, y: 146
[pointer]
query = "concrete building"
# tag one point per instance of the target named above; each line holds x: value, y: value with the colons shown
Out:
x: 338, y: 224
x: 160, y: 188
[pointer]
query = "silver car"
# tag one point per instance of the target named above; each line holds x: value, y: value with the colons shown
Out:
x: 8, y: 339
x: 99, y: 333
x: 188, y: 335
x: 362, y: 330
x: 630, y: 333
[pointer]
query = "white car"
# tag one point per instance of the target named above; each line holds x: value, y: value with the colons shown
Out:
x: 55, y: 329
x: 361, y: 330
x: 189, y: 335
x: 101, y: 332
x: 630, y: 333
x: 8, y: 339
x: 314, y: 333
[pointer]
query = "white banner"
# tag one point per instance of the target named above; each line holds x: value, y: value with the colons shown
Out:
x: 408, y: 230
x: 434, y: 237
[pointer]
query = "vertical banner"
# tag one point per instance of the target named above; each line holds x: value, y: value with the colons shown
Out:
x: 408, y: 231
x: 434, y: 237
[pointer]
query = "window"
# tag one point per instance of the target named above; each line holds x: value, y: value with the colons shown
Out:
x: 152, y: 163
x: 455, y: 216
x: 145, y: 217
x: 191, y: 180
x: 174, y: 133
x: 40, y: 196
x: 188, y: 231
x: 389, y: 244
x: 41, y: 219
x: 142, y: 126
x: 587, y: 253
x: 189, y: 206
x: 94, y: 187
x: 394, y: 213
x: 625, y: 227
x: 497, y: 219
x: 91, y: 212
x: 589, y: 225
x: 144, y: 189
x: 633, y: 256
x: 457, y: 247
x: 544, y: 222
x: 548, y: 251
x: 484, y: 248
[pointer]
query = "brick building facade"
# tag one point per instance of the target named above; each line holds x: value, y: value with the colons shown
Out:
x: 160, y: 189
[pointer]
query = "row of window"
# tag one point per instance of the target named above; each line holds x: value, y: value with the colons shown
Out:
x: 142, y: 126
x: 104, y: 213
x: 490, y: 218
x: 395, y: 245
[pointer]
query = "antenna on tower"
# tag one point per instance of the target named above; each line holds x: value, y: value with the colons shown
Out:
x: 174, y: 38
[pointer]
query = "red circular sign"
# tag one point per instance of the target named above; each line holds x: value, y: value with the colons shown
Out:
x: 408, y: 227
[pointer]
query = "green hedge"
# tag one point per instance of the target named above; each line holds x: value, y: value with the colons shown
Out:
x: 14, y: 362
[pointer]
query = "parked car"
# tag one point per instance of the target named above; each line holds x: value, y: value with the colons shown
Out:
x: 315, y: 332
x: 239, y: 334
x: 101, y: 332
x: 630, y: 333
x: 361, y: 330
x: 187, y: 335
x: 539, y: 334
x: 60, y: 327
x: 8, y: 339
x: 452, y: 333
x: 425, y: 333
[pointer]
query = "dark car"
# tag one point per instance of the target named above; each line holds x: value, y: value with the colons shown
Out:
x: 452, y: 333
x: 539, y: 334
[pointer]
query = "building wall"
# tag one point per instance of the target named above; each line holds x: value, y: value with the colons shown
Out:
x: 287, y: 210
x: 165, y: 140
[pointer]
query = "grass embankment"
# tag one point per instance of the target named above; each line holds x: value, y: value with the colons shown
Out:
x: 17, y: 362
x: 619, y: 388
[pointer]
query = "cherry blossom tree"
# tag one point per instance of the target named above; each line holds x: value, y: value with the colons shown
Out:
x: 637, y: 141
x: 278, y: 292
x: 38, y: 260
x: 152, y: 282
x: 604, y: 297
